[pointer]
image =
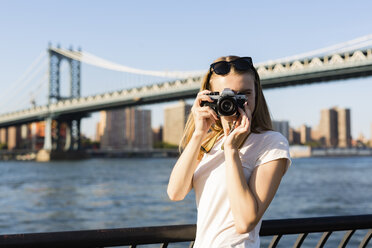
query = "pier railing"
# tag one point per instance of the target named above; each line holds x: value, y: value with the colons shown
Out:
x: 165, y: 235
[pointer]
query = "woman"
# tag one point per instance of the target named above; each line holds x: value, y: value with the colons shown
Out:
x: 233, y: 163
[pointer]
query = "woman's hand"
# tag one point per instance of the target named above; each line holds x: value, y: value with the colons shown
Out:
x: 204, y: 116
x: 242, y: 128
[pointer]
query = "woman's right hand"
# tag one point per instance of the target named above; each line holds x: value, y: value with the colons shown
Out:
x: 204, y: 116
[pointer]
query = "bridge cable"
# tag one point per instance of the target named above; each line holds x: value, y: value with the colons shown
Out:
x: 23, y: 76
x: 23, y: 100
x: 103, y: 63
x: 21, y: 87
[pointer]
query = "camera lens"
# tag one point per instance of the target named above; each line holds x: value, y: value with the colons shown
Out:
x: 227, y: 107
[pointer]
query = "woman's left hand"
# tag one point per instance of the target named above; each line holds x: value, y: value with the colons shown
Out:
x: 242, y: 129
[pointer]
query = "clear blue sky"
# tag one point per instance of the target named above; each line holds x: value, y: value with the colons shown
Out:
x: 188, y: 35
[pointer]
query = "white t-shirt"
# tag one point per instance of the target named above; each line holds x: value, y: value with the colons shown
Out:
x: 215, y: 222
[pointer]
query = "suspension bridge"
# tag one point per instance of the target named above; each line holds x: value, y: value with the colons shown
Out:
x: 349, y: 59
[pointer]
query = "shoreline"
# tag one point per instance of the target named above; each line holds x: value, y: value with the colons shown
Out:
x: 27, y: 155
x: 295, y: 152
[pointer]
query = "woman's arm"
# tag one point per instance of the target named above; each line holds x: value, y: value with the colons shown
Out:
x: 180, y: 181
x: 249, y: 202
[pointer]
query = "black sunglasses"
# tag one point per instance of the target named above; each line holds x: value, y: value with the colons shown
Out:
x: 223, y: 67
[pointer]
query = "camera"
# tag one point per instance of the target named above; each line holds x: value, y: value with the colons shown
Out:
x: 226, y: 103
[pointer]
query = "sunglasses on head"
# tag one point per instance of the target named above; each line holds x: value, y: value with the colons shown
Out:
x: 223, y: 67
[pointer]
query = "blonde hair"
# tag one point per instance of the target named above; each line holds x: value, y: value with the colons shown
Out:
x: 261, y: 120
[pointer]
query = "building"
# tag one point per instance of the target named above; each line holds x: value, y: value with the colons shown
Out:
x: 157, y: 135
x: 138, y: 128
x: 128, y: 128
x: 175, y: 118
x: 344, y: 127
x: 294, y: 137
x: 14, y: 137
x: 328, y: 127
x: 334, y: 127
x: 100, y: 127
x: 281, y: 127
x: 3, y: 135
x: 305, y: 134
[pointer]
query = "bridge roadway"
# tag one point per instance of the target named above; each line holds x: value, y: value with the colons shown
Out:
x: 317, y: 69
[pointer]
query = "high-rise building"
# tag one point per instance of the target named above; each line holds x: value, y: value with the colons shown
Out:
x: 281, y: 127
x: 334, y: 127
x: 294, y: 137
x: 138, y: 128
x: 14, y: 137
x: 175, y: 118
x: 328, y: 127
x: 4, y: 135
x: 128, y: 128
x: 100, y: 127
x: 25, y: 136
x: 344, y: 127
x: 305, y: 134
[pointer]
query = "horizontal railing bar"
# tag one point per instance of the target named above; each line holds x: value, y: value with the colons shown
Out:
x: 100, y: 238
x: 176, y: 233
x: 316, y: 224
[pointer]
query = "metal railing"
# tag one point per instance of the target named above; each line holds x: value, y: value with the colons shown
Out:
x: 164, y: 235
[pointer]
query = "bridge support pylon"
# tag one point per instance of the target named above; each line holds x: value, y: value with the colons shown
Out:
x: 53, y: 122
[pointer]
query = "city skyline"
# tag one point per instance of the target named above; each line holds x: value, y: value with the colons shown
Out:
x: 333, y: 129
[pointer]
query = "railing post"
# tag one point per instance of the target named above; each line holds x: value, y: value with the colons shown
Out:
x: 366, y: 239
x: 323, y: 239
x: 346, y: 239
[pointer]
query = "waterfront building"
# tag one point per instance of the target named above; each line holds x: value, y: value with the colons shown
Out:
x: 25, y: 136
x: 128, y: 128
x: 281, y: 127
x: 344, y: 127
x: 175, y: 118
x: 315, y: 134
x: 361, y: 141
x: 294, y: 137
x: 328, y: 127
x: 157, y: 135
x: 14, y: 137
x: 335, y: 127
x: 305, y: 134
x: 4, y: 135
x: 100, y: 127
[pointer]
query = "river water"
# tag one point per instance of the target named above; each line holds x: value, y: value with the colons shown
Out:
x: 117, y: 193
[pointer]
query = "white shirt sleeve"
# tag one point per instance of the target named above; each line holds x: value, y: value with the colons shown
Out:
x: 273, y: 146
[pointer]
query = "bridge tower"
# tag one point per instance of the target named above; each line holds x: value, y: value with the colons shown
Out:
x: 53, y: 123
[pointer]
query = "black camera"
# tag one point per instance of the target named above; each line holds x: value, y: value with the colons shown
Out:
x: 226, y: 103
